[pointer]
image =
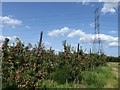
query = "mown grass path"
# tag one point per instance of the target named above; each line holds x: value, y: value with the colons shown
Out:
x: 113, y: 82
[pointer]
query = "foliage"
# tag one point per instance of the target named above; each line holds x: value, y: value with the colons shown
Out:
x: 24, y: 66
x: 113, y: 59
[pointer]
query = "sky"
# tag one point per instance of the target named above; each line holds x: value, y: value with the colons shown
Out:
x: 70, y: 21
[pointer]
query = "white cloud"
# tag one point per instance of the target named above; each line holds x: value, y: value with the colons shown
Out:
x: 89, y: 38
x: 109, y: 7
x: 84, y: 37
x: 9, y: 21
x: 74, y: 45
x: 57, y: 51
x: 88, y: 1
x: 27, y: 27
x: 85, y: 2
x: 106, y: 39
x: 59, y: 32
x: 74, y: 33
x: 109, y: 0
x: 114, y: 44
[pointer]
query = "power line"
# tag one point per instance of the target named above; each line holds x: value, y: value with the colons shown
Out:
x: 97, y: 44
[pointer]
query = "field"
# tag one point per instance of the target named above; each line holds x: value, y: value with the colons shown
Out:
x: 24, y: 67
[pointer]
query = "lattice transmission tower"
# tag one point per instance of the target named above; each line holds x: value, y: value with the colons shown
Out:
x: 97, y: 43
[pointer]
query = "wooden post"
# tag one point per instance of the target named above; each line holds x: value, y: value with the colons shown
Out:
x: 40, y: 42
x: 78, y: 47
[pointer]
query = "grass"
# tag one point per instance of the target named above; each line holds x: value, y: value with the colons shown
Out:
x: 113, y: 82
x: 53, y: 84
x: 100, y: 77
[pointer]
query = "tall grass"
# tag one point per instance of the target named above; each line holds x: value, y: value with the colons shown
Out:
x: 98, y: 78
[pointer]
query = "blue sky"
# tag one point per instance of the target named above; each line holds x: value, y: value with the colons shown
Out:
x: 73, y: 22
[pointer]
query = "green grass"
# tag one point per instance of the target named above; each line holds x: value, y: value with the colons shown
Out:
x: 97, y: 78
x: 100, y: 77
x: 113, y: 81
x: 53, y: 84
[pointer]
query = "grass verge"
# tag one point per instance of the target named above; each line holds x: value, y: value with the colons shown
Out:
x: 100, y: 77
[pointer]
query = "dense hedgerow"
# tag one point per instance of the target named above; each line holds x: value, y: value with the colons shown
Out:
x: 23, y: 68
x: 113, y: 59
